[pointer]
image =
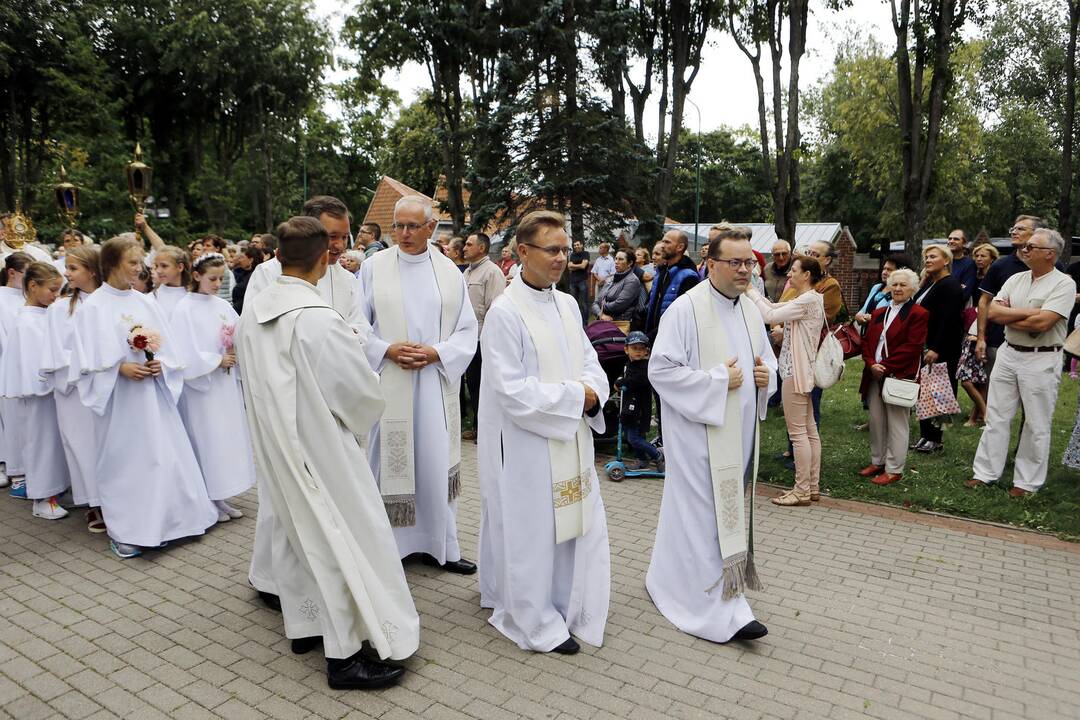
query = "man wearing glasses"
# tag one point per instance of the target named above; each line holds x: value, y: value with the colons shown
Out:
x: 1033, y: 306
x: 776, y: 271
x: 423, y: 338
x: 963, y: 267
x: 992, y: 334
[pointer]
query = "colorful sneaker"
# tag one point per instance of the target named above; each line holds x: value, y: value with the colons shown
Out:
x: 123, y: 550
x: 49, y: 509
x: 18, y: 487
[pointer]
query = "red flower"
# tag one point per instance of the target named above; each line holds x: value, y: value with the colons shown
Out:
x: 139, y: 342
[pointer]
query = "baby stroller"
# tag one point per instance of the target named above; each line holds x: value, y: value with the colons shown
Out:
x: 616, y: 469
x: 610, y: 343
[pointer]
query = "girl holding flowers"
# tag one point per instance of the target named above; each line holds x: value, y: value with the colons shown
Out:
x: 172, y: 275
x: 43, y: 454
x: 149, y: 483
x: 212, y: 404
x: 79, y: 426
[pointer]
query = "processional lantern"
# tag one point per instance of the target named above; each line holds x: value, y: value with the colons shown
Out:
x: 67, y: 198
x: 139, y: 175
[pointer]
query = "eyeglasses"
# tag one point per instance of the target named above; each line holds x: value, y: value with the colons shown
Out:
x: 1020, y: 229
x: 550, y: 251
x: 410, y: 227
x: 812, y: 253
x: 736, y: 264
x: 780, y: 254
x: 1028, y: 247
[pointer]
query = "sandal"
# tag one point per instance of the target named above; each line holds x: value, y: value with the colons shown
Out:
x: 94, y: 521
x: 792, y: 499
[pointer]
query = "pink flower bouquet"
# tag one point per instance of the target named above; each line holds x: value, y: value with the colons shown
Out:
x: 227, y: 343
x: 146, y: 339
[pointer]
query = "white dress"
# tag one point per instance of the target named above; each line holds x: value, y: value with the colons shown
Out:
x: 12, y: 438
x: 686, y: 558
x: 80, y: 428
x: 539, y: 591
x: 212, y: 404
x: 435, y: 531
x: 168, y: 297
x: 309, y: 394
x: 33, y: 407
x: 149, y: 483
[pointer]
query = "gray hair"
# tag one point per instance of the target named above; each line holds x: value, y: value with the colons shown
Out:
x: 416, y: 201
x: 1054, y: 238
x: 786, y: 245
x: 908, y: 273
x: 355, y: 255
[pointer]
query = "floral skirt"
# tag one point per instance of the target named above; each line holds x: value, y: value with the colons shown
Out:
x: 1072, y: 451
x: 970, y: 368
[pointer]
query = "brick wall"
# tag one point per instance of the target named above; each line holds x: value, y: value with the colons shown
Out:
x: 855, y: 279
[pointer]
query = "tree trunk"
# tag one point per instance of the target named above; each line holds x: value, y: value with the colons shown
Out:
x: 1066, y: 219
x: 800, y: 10
x: 776, y: 51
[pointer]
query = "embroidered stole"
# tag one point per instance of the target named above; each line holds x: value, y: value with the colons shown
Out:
x: 572, y: 493
x: 397, y: 473
x: 726, y: 446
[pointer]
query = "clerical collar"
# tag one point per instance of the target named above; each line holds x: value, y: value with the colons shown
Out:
x: 418, y: 258
x: 734, y: 301
x: 530, y: 285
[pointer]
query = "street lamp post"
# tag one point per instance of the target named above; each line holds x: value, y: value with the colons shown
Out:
x: 697, y: 182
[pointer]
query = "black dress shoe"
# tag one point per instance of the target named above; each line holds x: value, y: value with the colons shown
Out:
x: 461, y: 567
x: 359, y: 673
x: 270, y: 600
x: 302, y: 646
x: 751, y: 631
x: 568, y: 647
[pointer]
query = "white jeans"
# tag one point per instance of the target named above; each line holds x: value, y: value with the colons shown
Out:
x: 889, y: 431
x: 1024, y: 379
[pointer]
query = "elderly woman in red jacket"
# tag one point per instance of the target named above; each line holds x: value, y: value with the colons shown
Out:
x: 892, y: 347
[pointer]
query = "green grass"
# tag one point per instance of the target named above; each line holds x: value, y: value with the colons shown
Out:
x: 933, y: 482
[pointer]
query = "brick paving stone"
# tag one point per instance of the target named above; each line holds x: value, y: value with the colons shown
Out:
x: 872, y: 614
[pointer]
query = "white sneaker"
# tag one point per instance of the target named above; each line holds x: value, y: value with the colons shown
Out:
x: 224, y: 507
x: 49, y: 509
x: 223, y: 516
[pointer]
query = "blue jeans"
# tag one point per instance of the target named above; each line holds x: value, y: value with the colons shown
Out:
x: 644, y: 449
x: 579, y: 289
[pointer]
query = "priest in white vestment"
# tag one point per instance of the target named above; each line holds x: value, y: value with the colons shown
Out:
x: 341, y: 291
x: 545, y: 568
x: 422, y: 339
x: 713, y: 368
x: 310, y: 393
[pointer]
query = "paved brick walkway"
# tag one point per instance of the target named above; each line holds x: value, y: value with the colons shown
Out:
x: 869, y: 616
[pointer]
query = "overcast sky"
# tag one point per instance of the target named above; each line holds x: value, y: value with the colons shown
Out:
x: 724, y: 88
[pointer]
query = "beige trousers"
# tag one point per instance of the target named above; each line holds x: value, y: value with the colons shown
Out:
x: 889, y: 430
x: 805, y: 443
x: 1019, y: 379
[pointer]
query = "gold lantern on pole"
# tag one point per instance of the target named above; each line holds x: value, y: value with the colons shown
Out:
x: 139, y: 175
x: 67, y: 198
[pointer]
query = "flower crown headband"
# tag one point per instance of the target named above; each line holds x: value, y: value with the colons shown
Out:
x: 203, y: 258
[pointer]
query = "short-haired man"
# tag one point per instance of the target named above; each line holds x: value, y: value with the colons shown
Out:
x: 1033, y: 305
x: 485, y: 282
x: 603, y: 267
x: 545, y: 567
x: 775, y: 275
x: 579, y: 278
x: 963, y: 266
x: 309, y: 393
x: 713, y: 368
x: 677, y: 275
x: 423, y: 338
x: 992, y: 334
x: 370, y: 236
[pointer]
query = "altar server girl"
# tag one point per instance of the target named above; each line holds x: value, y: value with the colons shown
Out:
x: 148, y: 480
x: 20, y: 380
x: 212, y: 404
x: 11, y: 434
x: 79, y: 426
x: 172, y: 275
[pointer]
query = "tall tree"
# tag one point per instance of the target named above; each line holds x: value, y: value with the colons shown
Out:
x: 927, y: 34
x: 1067, y: 191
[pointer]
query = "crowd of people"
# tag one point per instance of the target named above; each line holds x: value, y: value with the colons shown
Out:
x: 155, y: 387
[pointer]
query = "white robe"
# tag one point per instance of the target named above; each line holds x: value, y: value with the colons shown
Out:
x: 540, y: 591
x: 435, y: 531
x: 168, y: 298
x: 80, y: 428
x: 20, y: 381
x: 149, y: 483
x: 340, y: 290
x: 12, y: 436
x: 686, y: 558
x: 309, y: 394
x: 212, y: 404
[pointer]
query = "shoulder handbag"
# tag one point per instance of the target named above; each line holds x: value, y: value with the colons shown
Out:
x: 898, y: 392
